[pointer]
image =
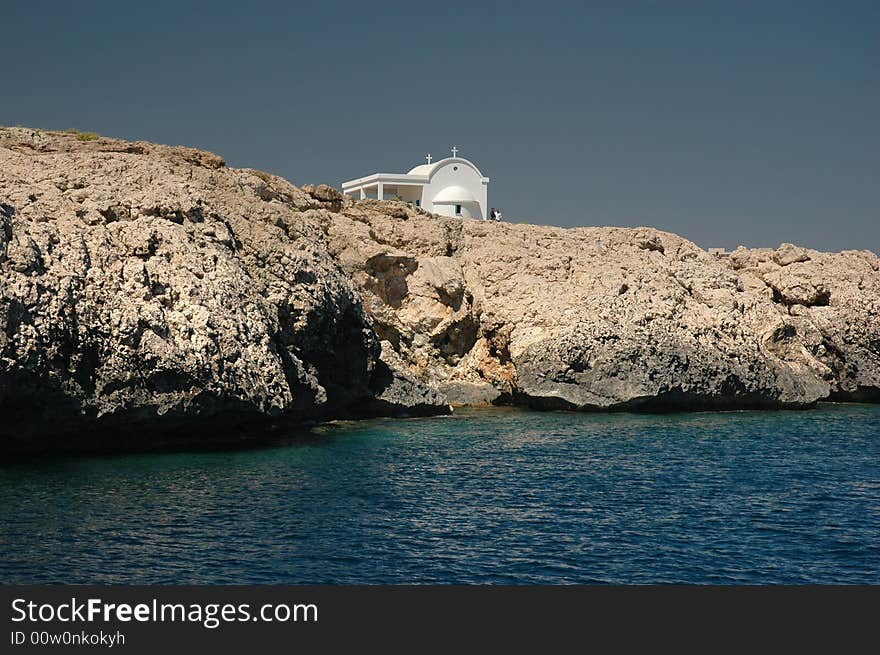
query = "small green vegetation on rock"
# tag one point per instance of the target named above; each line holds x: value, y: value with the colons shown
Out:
x: 83, y: 136
x: 262, y: 175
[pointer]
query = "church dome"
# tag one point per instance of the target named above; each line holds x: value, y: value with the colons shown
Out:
x: 428, y: 169
x: 457, y: 194
x: 424, y: 169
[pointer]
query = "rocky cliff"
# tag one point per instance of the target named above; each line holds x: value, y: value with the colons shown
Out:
x: 151, y: 284
x: 611, y: 318
x: 150, y: 287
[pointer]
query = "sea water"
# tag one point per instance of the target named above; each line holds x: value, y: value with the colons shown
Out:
x: 483, y: 496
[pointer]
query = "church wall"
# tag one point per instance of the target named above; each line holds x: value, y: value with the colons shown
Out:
x: 466, y: 177
x: 468, y: 210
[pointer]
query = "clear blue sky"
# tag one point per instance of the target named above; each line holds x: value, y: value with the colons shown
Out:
x: 726, y: 122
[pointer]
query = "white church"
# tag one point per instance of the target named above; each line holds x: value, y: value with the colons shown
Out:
x: 452, y: 187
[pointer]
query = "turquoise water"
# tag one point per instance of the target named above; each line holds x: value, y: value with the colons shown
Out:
x: 485, y: 496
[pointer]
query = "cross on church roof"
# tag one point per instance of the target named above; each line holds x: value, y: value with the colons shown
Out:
x: 454, y: 151
x: 428, y: 157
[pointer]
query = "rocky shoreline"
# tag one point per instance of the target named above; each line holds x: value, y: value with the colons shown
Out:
x: 152, y: 289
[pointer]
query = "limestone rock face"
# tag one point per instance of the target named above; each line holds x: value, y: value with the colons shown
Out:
x: 831, y: 305
x: 153, y: 284
x: 148, y: 283
x: 610, y: 318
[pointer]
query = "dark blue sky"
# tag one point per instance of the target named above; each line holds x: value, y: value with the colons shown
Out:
x: 726, y: 122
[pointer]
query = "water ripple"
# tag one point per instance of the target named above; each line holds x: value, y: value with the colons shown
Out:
x: 486, y: 496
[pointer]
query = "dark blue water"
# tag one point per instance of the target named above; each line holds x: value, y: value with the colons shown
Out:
x: 494, y: 496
